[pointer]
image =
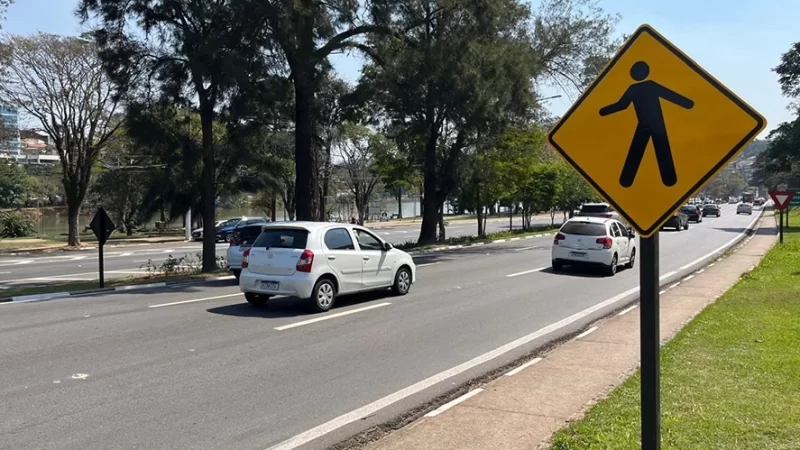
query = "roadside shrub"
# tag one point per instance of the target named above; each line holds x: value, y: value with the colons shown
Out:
x: 14, y: 225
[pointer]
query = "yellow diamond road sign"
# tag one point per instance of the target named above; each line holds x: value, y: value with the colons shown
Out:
x: 652, y: 129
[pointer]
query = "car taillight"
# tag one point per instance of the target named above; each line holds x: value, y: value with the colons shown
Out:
x: 559, y: 237
x: 606, y: 241
x: 245, y: 258
x: 305, y: 261
x: 607, y: 215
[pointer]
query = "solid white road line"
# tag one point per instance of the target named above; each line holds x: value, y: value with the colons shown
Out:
x: 195, y: 300
x: 627, y: 310
x: 519, y: 369
x: 511, y: 275
x: 77, y: 258
x: 372, y: 408
x: 586, y: 333
x: 449, y: 405
x: 331, y: 316
x: 524, y: 248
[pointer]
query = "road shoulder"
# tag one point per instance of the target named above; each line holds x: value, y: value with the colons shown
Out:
x: 524, y: 408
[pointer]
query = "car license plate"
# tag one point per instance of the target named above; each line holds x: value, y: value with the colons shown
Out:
x: 269, y: 285
x: 577, y: 254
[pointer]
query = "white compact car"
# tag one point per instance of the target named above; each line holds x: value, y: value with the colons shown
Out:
x: 594, y: 241
x: 744, y: 208
x: 319, y: 261
x: 242, y: 239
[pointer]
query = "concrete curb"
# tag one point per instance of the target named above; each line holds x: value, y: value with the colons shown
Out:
x: 130, y: 287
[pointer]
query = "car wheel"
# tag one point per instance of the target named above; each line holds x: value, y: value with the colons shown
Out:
x: 323, y: 295
x: 236, y: 273
x: 632, y: 259
x: 557, y: 266
x: 611, y: 270
x: 686, y: 227
x: 256, y: 299
x: 402, y: 281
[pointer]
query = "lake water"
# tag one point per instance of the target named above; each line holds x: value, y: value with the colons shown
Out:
x: 53, y: 221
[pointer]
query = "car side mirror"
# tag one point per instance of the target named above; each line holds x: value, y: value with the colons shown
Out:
x: 631, y: 234
x: 387, y: 246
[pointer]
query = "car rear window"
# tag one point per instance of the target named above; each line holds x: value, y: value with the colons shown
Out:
x: 595, y: 209
x: 247, y: 235
x: 584, y: 228
x: 689, y: 209
x: 282, y: 238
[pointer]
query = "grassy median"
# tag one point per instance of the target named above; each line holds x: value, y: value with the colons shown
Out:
x: 730, y: 379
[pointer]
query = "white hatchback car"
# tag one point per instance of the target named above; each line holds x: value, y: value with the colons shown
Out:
x: 594, y: 241
x: 319, y: 261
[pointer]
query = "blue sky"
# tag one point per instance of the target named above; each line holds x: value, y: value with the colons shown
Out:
x: 737, y: 41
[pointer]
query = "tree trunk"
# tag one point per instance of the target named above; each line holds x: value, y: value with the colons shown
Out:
x: 209, y: 191
x: 479, y: 210
x: 430, y: 209
x: 73, y: 236
x: 274, y: 206
x: 305, y: 178
x: 440, y: 221
x: 400, y: 203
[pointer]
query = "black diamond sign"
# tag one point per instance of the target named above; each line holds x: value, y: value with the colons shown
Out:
x: 102, y: 226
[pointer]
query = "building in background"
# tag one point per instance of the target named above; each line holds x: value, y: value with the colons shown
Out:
x: 9, y: 119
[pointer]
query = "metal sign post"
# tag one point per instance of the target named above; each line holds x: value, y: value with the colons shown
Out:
x: 102, y: 226
x: 650, y: 332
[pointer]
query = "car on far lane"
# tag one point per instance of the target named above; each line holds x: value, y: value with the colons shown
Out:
x: 744, y: 208
x: 242, y: 239
x: 197, y: 234
x: 711, y: 210
x: 598, y: 210
x: 693, y: 212
x: 594, y: 241
x: 679, y: 221
x: 319, y: 261
x: 225, y: 230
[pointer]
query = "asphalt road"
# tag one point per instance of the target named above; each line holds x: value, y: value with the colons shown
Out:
x: 35, y: 270
x: 196, y: 367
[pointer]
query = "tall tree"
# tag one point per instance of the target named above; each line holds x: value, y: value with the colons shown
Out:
x: 305, y: 33
x: 441, y: 87
x: 780, y: 162
x: 59, y: 82
x: 192, y: 52
x: 4, y: 4
x: 789, y: 72
x: 355, y: 154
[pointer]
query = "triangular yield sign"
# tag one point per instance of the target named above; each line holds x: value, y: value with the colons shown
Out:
x: 781, y: 199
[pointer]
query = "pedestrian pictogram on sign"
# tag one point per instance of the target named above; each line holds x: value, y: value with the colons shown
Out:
x: 782, y: 199
x: 652, y: 129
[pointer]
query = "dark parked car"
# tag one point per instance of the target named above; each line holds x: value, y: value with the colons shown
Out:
x: 694, y: 213
x: 225, y: 230
x: 679, y: 221
x: 711, y: 210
